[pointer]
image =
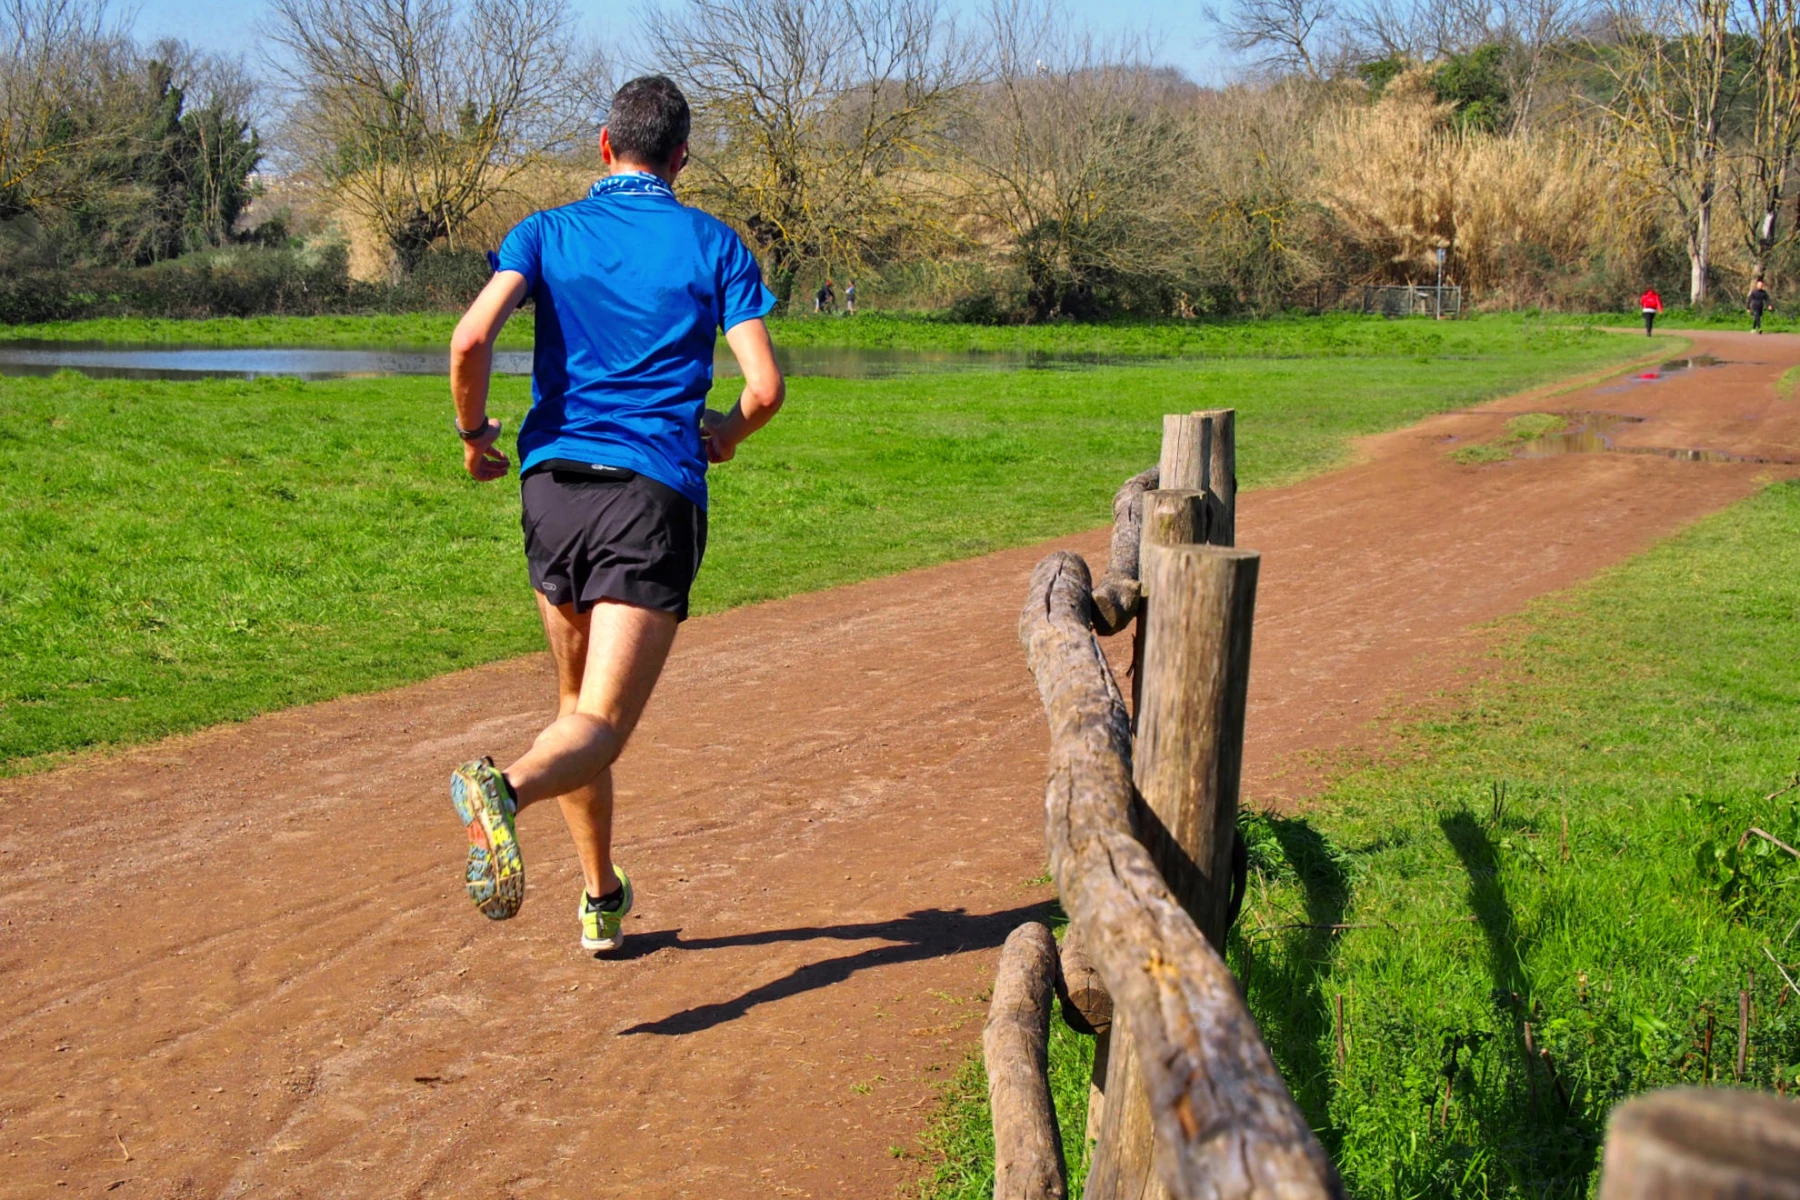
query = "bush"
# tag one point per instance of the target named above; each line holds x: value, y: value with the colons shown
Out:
x: 243, y: 281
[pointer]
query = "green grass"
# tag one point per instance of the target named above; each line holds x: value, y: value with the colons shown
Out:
x: 1523, y: 428
x: 1336, y: 335
x: 1722, y: 316
x: 177, y: 554
x: 1788, y: 386
x: 960, y: 1141
x: 1652, y: 711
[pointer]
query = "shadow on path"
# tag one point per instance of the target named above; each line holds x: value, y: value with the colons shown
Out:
x: 927, y: 933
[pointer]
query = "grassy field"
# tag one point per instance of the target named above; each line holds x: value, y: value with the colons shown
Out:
x: 177, y: 554
x: 1332, y: 336
x: 1562, y: 847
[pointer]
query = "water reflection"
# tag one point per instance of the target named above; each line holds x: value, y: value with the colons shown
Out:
x: 102, y: 360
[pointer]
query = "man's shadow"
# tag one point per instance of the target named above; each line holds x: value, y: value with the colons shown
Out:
x: 927, y: 933
x: 1291, y: 985
x: 1555, y: 1135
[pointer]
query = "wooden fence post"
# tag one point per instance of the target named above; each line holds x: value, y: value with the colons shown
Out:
x: 1197, y: 616
x: 1190, y: 726
x: 1199, y: 453
x: 1220, y: 430
x: 1225, y: 1122
x: 1703, y: 1144
x: 1196, y: 502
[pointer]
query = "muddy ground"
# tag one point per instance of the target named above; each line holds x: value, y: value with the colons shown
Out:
x: 242, y: 962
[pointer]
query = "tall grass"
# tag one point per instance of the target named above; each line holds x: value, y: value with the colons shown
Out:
x: 1514, y: 212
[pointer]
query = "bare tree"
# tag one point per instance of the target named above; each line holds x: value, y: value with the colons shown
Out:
x: 52, y: 71
x: 1671, y: 81
x: 811, y: 113
x: 415, y: 113
x: 1412, y: 29
x: 1285, y: 34
x: 1077, y: 158
x: 1765, y: 165
x: 1534, y: 32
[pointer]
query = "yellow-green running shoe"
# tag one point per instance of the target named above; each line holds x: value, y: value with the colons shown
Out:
x: 600, y: 927
x: 496, y: 874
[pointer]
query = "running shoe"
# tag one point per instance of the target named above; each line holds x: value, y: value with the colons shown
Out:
x: 485, y: 805
x: 601, y: 927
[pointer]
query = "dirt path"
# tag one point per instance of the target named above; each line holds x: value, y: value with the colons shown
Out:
x: 241, y: 962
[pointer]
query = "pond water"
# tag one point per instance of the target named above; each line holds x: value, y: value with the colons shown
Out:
x: 113, y: 361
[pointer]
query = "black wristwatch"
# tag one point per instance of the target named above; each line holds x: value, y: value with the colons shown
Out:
x: 471, y: 435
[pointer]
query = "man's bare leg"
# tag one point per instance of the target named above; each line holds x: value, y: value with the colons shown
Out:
x: 607, y: 663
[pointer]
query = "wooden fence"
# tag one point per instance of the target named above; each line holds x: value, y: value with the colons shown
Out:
x: 1141, y: 829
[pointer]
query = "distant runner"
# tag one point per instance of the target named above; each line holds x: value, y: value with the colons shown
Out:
x: 850, y: 298
x: 1652, y: 305
x: 631, y: 288
x: 1756, y: 302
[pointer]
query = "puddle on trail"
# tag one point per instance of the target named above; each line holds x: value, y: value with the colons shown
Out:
x: 1674, y: 366
x: 1594, y: 432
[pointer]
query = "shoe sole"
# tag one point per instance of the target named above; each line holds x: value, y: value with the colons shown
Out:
x: 604, y: 944
x: 496, y: 872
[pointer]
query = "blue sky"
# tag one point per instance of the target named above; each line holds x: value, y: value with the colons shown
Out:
x: 1177, y: 33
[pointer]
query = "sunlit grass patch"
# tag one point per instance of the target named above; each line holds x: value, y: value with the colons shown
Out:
x: 1525, y: 427
x: 177, y: 554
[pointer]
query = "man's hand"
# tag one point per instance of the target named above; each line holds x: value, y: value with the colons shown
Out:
x: 481, y: 459
x: 719, y: 447
x: 471, y: 359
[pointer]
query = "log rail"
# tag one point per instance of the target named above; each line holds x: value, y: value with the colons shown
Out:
x: 1205, y: 1104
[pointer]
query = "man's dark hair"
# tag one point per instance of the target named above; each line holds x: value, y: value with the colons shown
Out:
x: 649, y: 117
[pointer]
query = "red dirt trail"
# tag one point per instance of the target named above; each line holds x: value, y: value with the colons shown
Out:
x: 241, y: 963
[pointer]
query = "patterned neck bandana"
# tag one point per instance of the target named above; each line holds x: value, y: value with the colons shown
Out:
x: 631, y: 183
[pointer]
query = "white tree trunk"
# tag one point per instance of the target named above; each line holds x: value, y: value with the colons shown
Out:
x: 1700, y: 254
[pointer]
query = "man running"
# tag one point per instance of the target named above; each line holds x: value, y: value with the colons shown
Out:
x: 630, y: 288
x: 1756, y: 302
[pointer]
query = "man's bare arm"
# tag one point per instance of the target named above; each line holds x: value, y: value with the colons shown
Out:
x: 764, y: 391
x: 471, y: 363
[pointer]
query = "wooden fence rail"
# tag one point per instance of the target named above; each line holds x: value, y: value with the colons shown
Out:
x: 1187, y: 1103
x: 1224, y: 1121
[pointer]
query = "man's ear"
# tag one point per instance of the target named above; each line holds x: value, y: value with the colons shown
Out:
x: 679, y: 159
x: 606, y: 150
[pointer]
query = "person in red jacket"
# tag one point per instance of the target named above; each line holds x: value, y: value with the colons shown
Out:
x: 1651, y: 303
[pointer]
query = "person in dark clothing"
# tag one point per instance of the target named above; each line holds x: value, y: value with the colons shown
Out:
x: 1651, y: 303
x: 1756, y: 302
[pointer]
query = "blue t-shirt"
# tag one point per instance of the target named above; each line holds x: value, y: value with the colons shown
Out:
x: 632, y: 288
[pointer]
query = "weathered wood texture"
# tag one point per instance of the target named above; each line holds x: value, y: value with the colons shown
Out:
x: 1087, y: 1005
x: 1171, y: 517
x: 1183, y: 461
x: 1703, y: 1144
x: 1219, y: 433
x: 1225, y: 1122
x: 1028, y: 1151
x: 1194, y: 632
x: 1123, y: 1166
x: 1116, y: 597
x: 1190, y: 719
x: 1199, y: 453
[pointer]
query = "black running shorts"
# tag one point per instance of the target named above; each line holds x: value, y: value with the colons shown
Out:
x: 631, y: 539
